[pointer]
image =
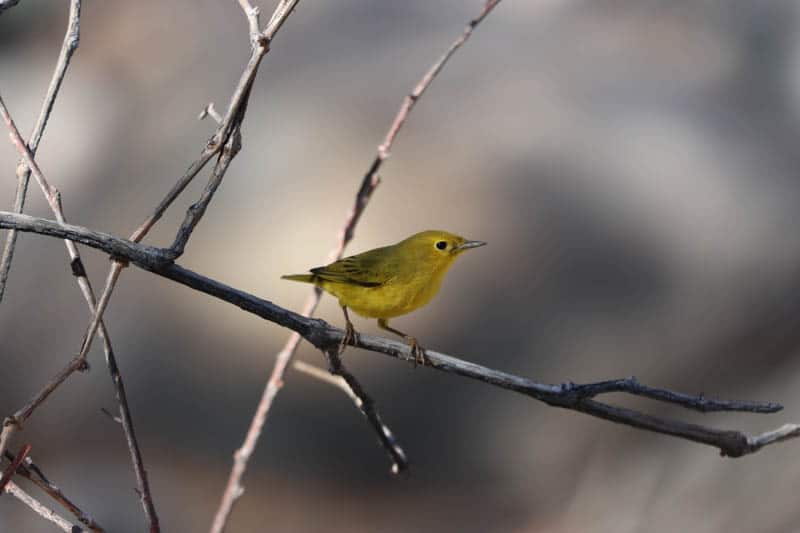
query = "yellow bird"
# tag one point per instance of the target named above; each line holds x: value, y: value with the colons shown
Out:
x: 390, y: 281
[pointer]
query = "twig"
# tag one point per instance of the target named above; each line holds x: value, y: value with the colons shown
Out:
x: 220, y: 143
x: 411, y: 100
x: 34, y: 474
x: 198, y: 209
x: 11, y: 425
x: 323, y: 336
x: 210, y: 111
x: 68, y: 48
x: 11, y: 469
x: 369, y: 183
x: 326, y: 377
x: 40, y: 509
x: 367, y: 406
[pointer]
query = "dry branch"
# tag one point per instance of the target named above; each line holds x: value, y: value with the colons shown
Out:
x: 13, y: 423
x: 68, y: 47
x: 224, y: 144
x: 576, y: 397
x: 28, y: 469
x: 41, y: 509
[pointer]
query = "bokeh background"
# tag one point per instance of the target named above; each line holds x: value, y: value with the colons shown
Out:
x: 633, y: 165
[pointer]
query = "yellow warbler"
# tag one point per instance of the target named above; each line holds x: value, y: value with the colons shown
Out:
x: 390, y: 281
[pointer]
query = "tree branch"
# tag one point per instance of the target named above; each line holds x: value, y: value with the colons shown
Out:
x: 367, y: 406
x: 40, y: 509
x: 68, y: 48
x: 576, y: 397
x: 12, y: 424
x: 34, y: 474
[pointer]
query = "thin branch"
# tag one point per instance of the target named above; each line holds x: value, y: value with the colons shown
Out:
x: 40, y: 509
x: 11, y: 425
x: 68, y: 48
x: 23, y: 177
x: 198, y: 209
x: 11, y: 469
x: 252, y: 20
x: 224, y: 144
x: 279, y: 16
x: 323, y: 336
x: 367, y: 406
x: 34, y: 474
x: 411, y: 100
x: 326, y: 377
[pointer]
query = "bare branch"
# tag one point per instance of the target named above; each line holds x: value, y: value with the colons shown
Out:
x: 11, y: 424
x: 326, y: 377
x: 198, y: 209
x: 367, y: 406
x: 34, y: 474
x: 68, y: 48
x: 11, y: 469
x: 411, y: 100
x: 40, y: 509
x: 225, y: 143
x: 323, y: 336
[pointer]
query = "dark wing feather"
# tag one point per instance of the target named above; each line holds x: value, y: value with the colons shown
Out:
x: 368, y: 269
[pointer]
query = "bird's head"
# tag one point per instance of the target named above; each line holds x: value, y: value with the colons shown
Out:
x: 439, y: 246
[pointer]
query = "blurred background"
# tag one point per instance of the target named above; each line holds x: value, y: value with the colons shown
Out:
x: 632, y: 164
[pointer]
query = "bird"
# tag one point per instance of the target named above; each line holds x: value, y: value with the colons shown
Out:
x: 390, y: 281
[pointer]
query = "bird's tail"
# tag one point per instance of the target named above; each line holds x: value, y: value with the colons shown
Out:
x: 305, y: 278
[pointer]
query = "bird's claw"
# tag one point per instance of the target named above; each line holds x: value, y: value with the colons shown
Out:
x: 418, y: 352
x: 350, y: 337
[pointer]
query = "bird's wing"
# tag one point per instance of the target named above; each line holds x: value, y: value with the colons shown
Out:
x: 368, y: 269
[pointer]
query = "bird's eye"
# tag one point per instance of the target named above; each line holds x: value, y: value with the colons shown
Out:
x: 441, y: 245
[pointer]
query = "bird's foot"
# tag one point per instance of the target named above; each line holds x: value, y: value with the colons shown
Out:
x: 418, y: 352
x: 350, y: 337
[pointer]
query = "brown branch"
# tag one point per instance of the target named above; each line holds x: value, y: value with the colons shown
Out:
x: 260, y: 42
x: 222, y: 144
x: 33, y: 473
x: 228, y: 125
x: 12, y: 424
x: 576, y: 397
x: 68, y: 47
x: 411, y: 99
x: 11, y: 469
x: 40, y: 509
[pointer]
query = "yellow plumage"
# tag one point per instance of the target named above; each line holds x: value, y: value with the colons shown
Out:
x: 390, y: 281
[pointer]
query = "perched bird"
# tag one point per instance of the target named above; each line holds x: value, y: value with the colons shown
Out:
x: 390, y: 281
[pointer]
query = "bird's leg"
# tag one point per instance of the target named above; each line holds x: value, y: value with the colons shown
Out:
x: 350, y: 334
x: 416, y: 349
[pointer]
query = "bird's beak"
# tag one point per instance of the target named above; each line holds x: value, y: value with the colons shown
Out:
x: 466, y: 245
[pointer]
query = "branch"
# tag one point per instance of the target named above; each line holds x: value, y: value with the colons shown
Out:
x: 367, y: 406
x: 34, y: 474
x: 12, y: 424
x: 68, y: 48
x: 576, y: 397
x: 40, y: 509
